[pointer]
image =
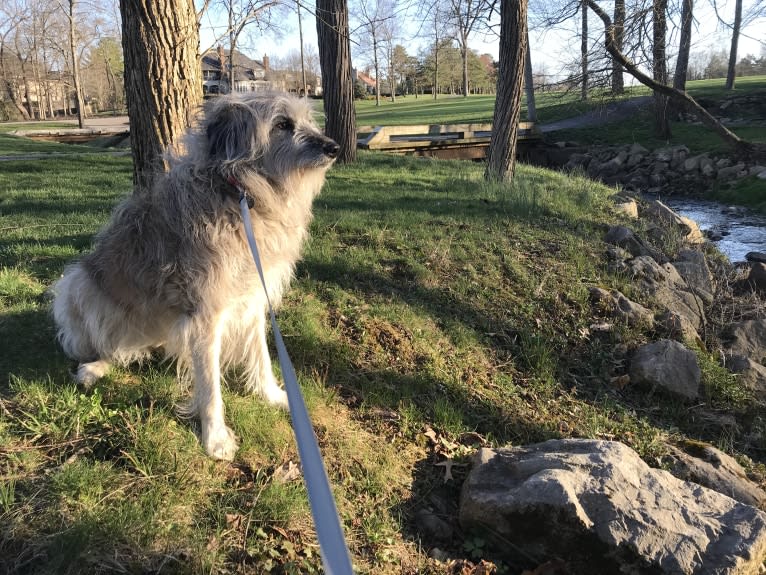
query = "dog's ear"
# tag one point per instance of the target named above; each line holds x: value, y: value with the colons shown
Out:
x: 230, y: 133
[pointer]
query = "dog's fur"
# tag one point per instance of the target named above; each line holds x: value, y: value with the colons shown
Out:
x: 172, y: 269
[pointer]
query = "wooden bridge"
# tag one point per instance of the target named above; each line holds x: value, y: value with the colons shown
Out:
x: 447, y: 141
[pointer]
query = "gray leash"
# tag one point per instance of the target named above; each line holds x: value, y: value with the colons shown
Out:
x: 332, y: 544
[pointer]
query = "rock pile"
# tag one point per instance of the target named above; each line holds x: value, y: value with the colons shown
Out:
x: 637, y: 169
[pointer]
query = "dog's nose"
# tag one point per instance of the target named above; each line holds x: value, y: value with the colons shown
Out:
x: 331, y: 149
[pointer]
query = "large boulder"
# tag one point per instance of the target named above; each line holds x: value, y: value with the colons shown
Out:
x: 692, y: 266
x: 747, y: 339
x: 668, y: 288
x: 615, y: 304
x: 750, y: 374
x: 704, y: 464
x: 667, y: 365
x: 597, y: 504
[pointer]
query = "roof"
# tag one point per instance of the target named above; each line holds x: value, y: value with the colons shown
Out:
x: 244, y: 66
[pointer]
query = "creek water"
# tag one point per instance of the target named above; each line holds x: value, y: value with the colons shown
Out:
x: 743, y: 231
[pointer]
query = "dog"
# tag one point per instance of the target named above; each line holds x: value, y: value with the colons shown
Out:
x: 172, y: 270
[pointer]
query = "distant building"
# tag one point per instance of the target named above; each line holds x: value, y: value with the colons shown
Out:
x: 365, y: 79
x: 250, y: 75
x: 246, y: 75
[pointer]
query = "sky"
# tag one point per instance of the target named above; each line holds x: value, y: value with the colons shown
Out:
x: 551, y: 49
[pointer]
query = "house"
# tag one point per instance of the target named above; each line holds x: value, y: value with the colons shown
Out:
x: 365, y: 79
x: 246, y: 75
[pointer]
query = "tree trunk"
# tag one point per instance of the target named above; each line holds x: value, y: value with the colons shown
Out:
x: 501, y: 157
x: 618, y: 84
x: 584, y: 52
x: 660, y: 69
x: 529, y: 85
x: 376, y: 64
x: 734, y: 42
x: 464, y: 55
x: 684, y: 46
x: 335, y: 61
x: 740, y: 146
x: 76, y: 66
x: 163, y: 85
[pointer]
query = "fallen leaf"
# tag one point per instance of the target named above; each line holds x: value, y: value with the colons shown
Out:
x: 620, y: 382
x: 448, y: 464
x: 287, y: 472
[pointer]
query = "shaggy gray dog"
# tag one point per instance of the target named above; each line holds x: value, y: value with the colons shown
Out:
x: 172, y: 269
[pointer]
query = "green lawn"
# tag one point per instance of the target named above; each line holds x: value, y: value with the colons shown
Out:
x: 432, y: 312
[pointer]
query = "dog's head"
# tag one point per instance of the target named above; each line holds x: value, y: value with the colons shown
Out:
x: 273, y: 134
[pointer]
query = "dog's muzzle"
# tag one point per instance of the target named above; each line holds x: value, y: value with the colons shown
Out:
x: 330, y: 148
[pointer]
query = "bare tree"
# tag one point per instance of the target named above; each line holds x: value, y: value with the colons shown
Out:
x: 10, y: 70
x: 373, y: 16
x: 734, y: 43
x: 618, y: 85
x: 70, y: 9
x: 501, y: 158
x: 584, y: 52
x: 163, y: 85
x: 465, y: 16
x: 684, y: 45
x: 660, y: 68
x: 690, y: 104
x: 335, y: 60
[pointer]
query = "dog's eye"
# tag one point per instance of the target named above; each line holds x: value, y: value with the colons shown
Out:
x: 286, y: 125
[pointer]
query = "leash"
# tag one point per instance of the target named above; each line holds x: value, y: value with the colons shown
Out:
x: 332, y: 544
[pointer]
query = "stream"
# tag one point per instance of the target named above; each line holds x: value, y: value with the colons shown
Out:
x: 743, y: 231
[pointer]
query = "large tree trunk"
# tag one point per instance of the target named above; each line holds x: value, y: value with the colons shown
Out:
x: 660, y: 69
x: 76, y: 66
x: 618, y: 84
x: 501, y: 158
x: 584, y: 51
x: 734, y: 42
x: 684, y: 46
x: 464, y: 55
x: 740, y: 146
x: 335, y: 61
x: 163, y: 85
x: 376, y: 65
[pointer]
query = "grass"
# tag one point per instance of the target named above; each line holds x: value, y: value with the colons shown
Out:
x: 431, y: 313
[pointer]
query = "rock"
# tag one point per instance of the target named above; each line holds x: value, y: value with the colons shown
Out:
x: 637, y: 149
x: 692, y: 267
x: 669, y: 290
x: 627, y: 239
x: 707, y: 168
x: 732, y: 172
x: 762, y: 175
x: 756, y: 170
x: 723, y: 163
x: 705, y: 465
x: 620, y: 307
x: 432, y: 526
x: 750, y: 374
x: 597, y: 504
x: 695, y: 235
x: 748, y: 339
x: 756, y: 257
x: 668, y: 365
x: 756, y: 279
x: 678, y: 326
x: 664, y: 214
x: 626, y: 205
x: 692, y: 164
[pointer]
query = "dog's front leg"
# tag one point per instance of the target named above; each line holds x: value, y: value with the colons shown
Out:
x: 261, y: 377
x: 217, y: 439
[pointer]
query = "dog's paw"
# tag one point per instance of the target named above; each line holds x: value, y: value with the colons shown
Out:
x: 276, y: 396
x: 89, y: 373
x: 220, y: 443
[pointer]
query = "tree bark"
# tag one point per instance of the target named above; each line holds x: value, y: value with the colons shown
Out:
x: 584, y: 51
x: 684, y: 46
x: 731, y: 73
x: 501, y: 158
x: 76, y: 66
x: 163, y: 85
x: 738, y: 144
x: 335, y: 61
x: 660, y: 69
x: 618, y: 84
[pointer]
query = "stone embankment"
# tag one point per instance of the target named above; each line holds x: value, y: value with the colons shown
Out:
x: 595, y: 503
